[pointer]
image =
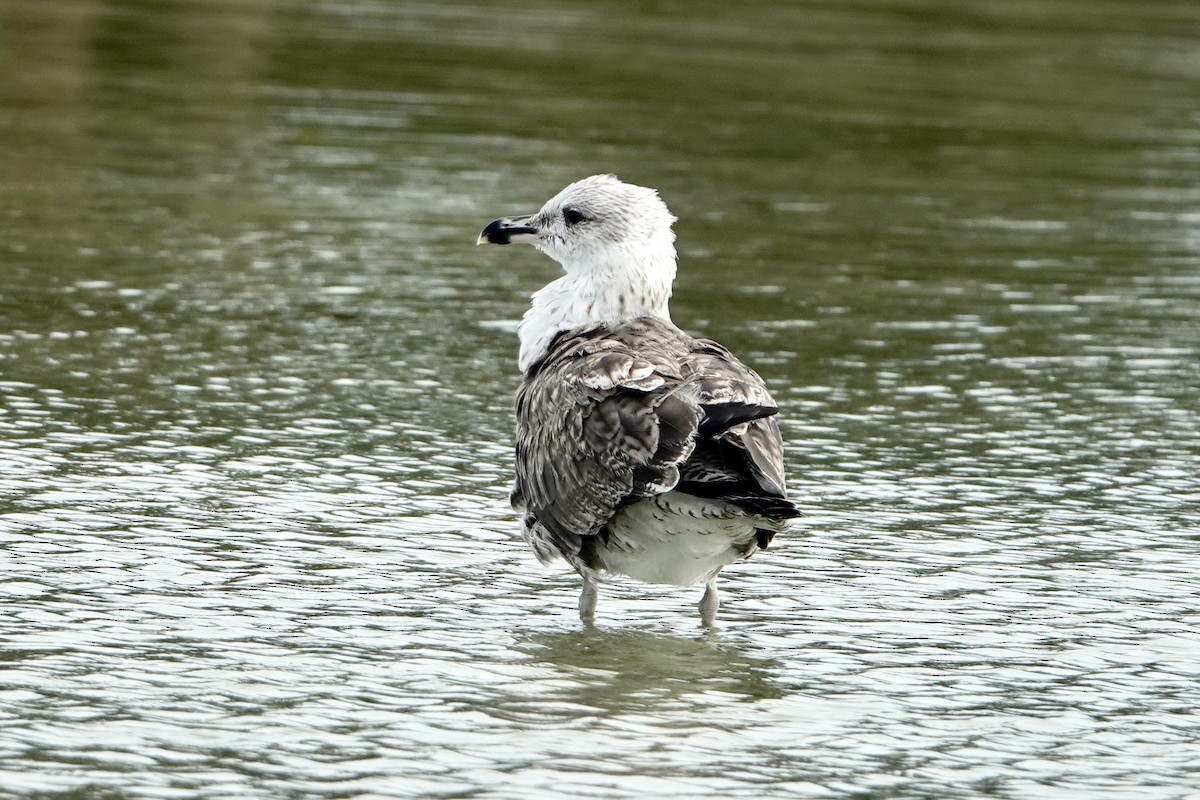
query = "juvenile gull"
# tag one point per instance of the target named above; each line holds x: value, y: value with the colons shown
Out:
x: 641, y: 451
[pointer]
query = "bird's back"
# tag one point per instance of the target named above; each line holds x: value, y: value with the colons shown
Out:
x: 631, y: 436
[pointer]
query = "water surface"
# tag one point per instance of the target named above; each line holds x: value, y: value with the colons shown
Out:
x: 256, y: 380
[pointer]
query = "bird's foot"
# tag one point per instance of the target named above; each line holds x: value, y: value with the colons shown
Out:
x: 709, y: 604
x: 587, y: 601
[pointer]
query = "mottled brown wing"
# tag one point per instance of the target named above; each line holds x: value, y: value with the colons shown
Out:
x: 739, y: 414
x: 599, y: 422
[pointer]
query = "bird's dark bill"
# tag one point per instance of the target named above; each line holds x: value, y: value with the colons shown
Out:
x: 503, y: 230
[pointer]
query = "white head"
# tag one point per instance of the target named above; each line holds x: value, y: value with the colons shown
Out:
x: 615, y: 243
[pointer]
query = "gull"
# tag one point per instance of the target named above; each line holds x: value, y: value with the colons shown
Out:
x: 640, y: 450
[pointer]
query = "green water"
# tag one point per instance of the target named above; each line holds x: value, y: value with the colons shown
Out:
x: 255, y: 386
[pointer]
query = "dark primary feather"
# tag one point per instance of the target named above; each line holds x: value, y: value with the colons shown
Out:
x: 614, y: 414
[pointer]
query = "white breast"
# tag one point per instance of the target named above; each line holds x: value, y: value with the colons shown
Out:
x: 675, y: 539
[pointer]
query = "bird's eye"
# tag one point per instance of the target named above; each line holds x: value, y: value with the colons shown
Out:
x: 573, y: 216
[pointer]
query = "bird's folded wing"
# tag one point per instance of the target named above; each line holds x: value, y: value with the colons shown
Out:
x: 739, y: 413
x: 598, y: 425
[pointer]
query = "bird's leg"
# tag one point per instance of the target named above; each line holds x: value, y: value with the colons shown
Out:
x: 587, y: 600
x: 709, y: 604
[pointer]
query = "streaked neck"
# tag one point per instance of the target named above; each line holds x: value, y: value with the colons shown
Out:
x: 601, y: 294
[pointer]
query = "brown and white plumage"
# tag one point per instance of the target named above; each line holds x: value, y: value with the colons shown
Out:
x: 641, y: 450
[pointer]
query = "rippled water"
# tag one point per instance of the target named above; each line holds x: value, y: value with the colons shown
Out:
x: 256, y: 382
